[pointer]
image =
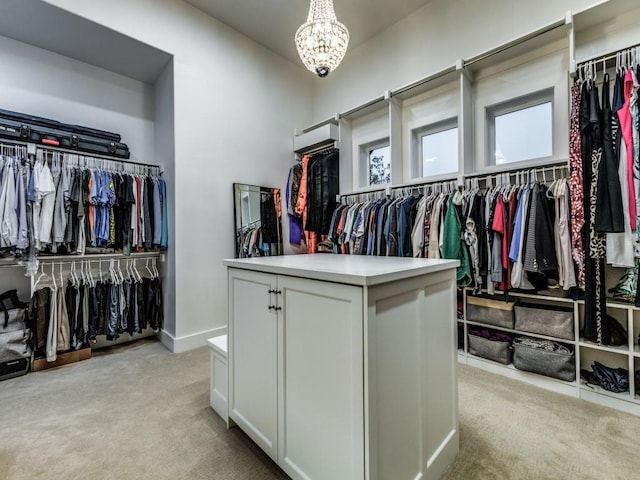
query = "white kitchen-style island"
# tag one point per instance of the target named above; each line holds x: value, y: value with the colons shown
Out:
x: 344, y: 367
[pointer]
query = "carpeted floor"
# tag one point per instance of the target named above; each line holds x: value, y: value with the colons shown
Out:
x: 140, y: 412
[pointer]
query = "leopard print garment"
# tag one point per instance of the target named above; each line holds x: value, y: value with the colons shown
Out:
x: 575, y: 185
x: 597, y: 240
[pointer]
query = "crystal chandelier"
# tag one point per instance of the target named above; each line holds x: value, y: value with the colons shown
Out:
x: 322, y: 41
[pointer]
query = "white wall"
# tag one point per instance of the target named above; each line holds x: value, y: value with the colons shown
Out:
x: 428, y: 41
x: 165, y: 155
x: 46, y: 84
x: 236, y: 106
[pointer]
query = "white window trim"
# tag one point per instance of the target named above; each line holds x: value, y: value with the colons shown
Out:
x: 365, y: 151
x: 417, y: 153
x: 523, y: 102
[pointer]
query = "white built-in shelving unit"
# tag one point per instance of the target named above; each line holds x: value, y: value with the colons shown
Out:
x: 544, y: 59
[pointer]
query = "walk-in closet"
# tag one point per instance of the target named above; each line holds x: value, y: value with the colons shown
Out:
x: 319, y: 240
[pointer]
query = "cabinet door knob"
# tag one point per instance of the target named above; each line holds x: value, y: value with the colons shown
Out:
x: 278, y: 292
x: 271, y: 307
x: 273, y: 291
x: 278, y: 308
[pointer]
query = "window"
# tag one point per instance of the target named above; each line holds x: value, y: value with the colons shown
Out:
x: 438, y: 149
x: 521, y: 129
x: 378, y: 161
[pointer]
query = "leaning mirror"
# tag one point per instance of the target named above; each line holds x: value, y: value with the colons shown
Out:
x: 258, y: 227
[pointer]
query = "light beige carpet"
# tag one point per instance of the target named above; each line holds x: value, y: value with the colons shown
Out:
x: 140, y: 412
x: 512, y: 430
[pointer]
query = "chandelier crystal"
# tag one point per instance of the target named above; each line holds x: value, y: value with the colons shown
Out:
x: 322, y: 40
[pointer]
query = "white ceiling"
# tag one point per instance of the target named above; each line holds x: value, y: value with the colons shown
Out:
x: 273, y: 23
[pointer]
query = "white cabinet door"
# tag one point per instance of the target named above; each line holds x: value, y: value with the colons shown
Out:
x: 253, y: 357
x: 321, y: 419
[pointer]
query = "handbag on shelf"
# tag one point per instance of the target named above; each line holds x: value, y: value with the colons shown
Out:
x: 612, y: 379
x: 15, y: 336
x: 617, y: 333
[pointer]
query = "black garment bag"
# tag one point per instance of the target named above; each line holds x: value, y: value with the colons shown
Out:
x: 32, y: 129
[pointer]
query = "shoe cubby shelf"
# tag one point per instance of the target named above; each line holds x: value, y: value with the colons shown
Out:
x: 624, y: 349
x: 585, y: 351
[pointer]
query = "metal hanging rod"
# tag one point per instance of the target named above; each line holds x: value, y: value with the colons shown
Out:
x: 451, y: 185
x: 607, y: 57
x: 323, y: 148
x: 528, y: 173
x: 17, y: 149
x: 515, y: 170
x: 114, y: 166
x: 48, y: 149
x: 96, y: 257
x: 516, y: 42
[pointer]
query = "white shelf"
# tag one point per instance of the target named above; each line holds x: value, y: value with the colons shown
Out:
x: 611, y: 302
x: 622, y: 402
x: 12, y: 262
x: 98, y: 256
x: 624, y: 350
x: 520, y: 332
x: 535, y: 296
x: 626, y: 396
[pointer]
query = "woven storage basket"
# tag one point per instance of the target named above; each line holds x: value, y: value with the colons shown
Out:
x: 553, y: 322
x: 497, y: 351
x: 556, y: 364
x: 490, y: 311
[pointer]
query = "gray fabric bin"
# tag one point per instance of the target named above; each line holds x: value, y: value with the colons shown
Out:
x: 490, y: 312
x: 553, y: 322
x: 490, y: 349
x: 558, y: 363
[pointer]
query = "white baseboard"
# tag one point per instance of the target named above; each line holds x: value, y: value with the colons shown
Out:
x: 189, y: 342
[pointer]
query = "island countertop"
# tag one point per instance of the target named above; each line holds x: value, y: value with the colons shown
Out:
x: 347, y: 269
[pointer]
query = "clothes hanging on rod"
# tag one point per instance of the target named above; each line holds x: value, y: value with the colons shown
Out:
x: 312, y: 189
x: 505, y: 236
x: 75, y: 308
x: 608, y: 158
x: 261, y: 238
x: 65, y: 203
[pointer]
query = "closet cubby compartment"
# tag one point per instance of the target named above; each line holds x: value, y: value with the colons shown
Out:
x: 619, y: 313
x: 494, y: 345
x: 527, y: 72
x: 552, y: 321
x: 609, y: 359
x: 635, y: 333
x: 490, y: 311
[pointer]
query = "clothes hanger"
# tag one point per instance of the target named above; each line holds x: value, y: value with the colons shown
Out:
x: 72, y: 278
x: 120, y: 273
x: 92, y: 281
x: 138, y: 275
x: 154, y: 264
x: 41, y: 276
x: 53, y: 276
x: 112, y: 273
x: 147, y: 267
